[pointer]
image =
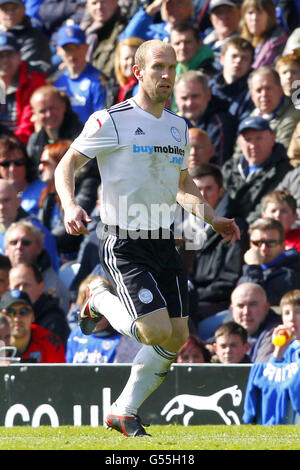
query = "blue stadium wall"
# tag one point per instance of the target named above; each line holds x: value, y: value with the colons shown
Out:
x: 66, y: 394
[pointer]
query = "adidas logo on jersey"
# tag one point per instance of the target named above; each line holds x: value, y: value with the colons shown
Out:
x: 139, y: 131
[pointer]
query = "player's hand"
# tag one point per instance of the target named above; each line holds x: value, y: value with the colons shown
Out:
x: 75, y: 219
x: 227, y: 228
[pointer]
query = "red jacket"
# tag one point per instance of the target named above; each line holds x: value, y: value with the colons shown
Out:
x: 44, y: 347
x: 29, y: 80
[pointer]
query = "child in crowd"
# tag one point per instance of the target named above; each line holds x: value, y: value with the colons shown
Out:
x: 290, y: 314
x: 288, y: 68
x: 231, y: 344
x: 282, y: 206
x: 272, y: 394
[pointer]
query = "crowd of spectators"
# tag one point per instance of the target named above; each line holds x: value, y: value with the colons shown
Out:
x: 237, y: 85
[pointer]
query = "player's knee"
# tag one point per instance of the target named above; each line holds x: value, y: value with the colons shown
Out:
x: 156, y: 336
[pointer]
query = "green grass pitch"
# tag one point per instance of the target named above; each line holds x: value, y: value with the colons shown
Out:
x: 168, y: 437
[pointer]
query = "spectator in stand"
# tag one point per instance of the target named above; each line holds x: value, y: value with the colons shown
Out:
x: 231, y: 344
x: 193, y: 351
x: 123, y: 84
x: 32, y: 43
x: 24, y: 243
x: 196, y: 103
x: 201, y: 148
x: 11, y: 211
x: 231, y: 84
x: 250, y: 308
x: 271, y: 104
x: 267, y: 263
x: 34, y: 343
x: 144, y: 25
x: 27, y: 277
x: 81, y: 81
x: 53, y: 120
x: 49, y: 205
x: 224, y: 17
x: 281, y: 205
x: 103, y: 24
x: 290, y: 316
x: 53, y: 14
x: 262, y: 166
x: 20, y: 81
x: 288, y: 69
x: 17, y: 169
x: 5, y: 266
x: 217, y: 266
x: 259, y: 26
x: 191, y: 53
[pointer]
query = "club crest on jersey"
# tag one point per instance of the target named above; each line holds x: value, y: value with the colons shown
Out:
x: 176, y: 134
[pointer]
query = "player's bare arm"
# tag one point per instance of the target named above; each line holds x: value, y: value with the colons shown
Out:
x: 74, y: 215
x: 191, y: 199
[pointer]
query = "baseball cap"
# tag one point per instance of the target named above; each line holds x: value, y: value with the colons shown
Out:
x: 70, y: 35
x: 12, y: 297
x: 217, y: 3
x: 254, y: 122
x: 8, y: 43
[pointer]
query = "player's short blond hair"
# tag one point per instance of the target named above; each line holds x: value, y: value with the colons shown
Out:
x: 141, y: 53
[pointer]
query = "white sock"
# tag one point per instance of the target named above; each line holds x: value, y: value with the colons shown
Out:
x: 114, y: 311
x: 148, y: 371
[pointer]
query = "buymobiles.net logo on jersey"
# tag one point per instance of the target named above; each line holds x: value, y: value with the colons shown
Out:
x: 174, y: 152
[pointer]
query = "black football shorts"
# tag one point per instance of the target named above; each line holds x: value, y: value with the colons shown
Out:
x: 146, y: 273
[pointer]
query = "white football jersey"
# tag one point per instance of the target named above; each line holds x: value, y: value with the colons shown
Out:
x: 139, y: 158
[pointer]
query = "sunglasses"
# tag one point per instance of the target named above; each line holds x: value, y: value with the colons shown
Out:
x: 268, y: 243
x: 18, y: 162
x: 22, y: 311
x: 23, y: 241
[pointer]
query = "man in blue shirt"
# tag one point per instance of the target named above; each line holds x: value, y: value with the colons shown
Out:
x: 81, y: 81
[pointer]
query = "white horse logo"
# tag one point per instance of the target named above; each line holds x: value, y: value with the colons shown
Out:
x: 209, y: 403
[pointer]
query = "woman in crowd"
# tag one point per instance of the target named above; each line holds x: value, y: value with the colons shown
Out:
x: 193, y: 351
x: 17, y: 168
x: 259, y: 26
x: 123, y: 84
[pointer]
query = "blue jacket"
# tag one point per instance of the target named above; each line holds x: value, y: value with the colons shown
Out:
x: 86, y: 92
x: 271, y: 387
x: 142, y: 26
x: 93, y: 349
